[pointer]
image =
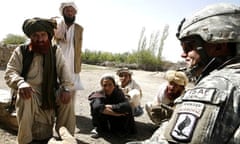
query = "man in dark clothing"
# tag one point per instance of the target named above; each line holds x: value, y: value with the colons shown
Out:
x: 110, y: 110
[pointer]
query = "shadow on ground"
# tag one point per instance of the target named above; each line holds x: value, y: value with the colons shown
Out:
x: 5, y: 127
x: 144, y: 131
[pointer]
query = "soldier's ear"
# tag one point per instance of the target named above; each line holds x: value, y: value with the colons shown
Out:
x: 215, y: 50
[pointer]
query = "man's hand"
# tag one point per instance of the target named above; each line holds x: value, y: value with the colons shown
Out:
x: 108, y: 111
x: 65, y: 96
x: 25, y: 91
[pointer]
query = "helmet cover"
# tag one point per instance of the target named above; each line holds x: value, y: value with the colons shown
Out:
x: 214, y: 24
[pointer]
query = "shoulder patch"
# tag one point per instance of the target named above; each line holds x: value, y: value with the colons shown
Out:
x: 202, y: 94
x: 188, y: 115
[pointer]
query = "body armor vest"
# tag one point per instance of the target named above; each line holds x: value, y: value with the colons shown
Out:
x: 210, y: 112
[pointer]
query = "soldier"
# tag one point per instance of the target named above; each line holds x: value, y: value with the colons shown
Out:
x: 209, y: 113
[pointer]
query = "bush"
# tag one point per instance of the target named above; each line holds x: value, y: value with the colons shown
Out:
x: 14, y: 39
x: 143, y: 59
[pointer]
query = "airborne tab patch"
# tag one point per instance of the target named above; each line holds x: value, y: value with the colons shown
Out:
x: 193, y: 108
x: 188, y: 115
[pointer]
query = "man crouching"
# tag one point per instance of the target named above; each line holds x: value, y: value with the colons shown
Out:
x: 38, y: 101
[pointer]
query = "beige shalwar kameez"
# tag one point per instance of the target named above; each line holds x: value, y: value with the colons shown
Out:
x: 34, y: 122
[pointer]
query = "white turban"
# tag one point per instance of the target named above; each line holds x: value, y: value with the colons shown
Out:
x: 107, y: 76
x: 66, y: 4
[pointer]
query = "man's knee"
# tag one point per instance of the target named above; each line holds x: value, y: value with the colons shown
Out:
x: 134, y: 97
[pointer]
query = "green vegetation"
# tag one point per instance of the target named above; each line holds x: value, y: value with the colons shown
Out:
x: 14, y: 39
x: 147, y: 57
x: 138, y: 60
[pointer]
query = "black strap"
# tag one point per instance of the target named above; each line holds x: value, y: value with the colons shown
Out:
x: 55, y: 68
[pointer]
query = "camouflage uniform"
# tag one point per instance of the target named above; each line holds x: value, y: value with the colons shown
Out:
x: 209, y: 113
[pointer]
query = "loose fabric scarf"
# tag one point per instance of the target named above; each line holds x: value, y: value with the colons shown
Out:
x: 49, y: 80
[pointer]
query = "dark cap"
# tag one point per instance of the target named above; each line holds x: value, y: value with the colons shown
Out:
x: 124, y: 70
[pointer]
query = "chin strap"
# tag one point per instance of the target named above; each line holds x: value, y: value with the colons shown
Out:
x: 203, y: 55
x: 205, y: 59
x: 213, y: 64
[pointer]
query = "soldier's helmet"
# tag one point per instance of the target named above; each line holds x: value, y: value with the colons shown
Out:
x: 214, y: 24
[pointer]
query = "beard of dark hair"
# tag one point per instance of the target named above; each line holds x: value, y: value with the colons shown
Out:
x: 40, y: 47
x: 69, y: 20
x: 176, y: 95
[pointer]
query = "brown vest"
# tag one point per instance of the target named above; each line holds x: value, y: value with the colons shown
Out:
x: 78, y: 36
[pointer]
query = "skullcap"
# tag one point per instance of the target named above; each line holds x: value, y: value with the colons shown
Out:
x: 107, y: 75
x: 39, y: 24
x: 66, y: 4
x: 177, y: 77
x: 124, y: 70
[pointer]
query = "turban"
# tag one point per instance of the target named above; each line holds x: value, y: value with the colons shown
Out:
x: 67, y: 4
x: 177, y: 77
x: 39, y: 24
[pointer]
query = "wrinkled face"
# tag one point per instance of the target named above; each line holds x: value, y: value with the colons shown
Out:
x: 69, y: 14
x: 40, y: 42
x: 39, y: 37
x: 107, y: 86
x: 69, y: 11
x: 124, y: 78
x: 174, y: 90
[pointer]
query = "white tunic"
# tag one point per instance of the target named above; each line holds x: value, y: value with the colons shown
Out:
x: 161, y: 95
x: 67, y: 46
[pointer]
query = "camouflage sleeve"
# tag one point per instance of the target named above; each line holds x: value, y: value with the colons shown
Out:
x: 156, y: 138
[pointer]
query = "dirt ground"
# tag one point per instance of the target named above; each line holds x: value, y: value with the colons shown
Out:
x: 90, y: 75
